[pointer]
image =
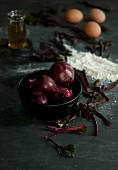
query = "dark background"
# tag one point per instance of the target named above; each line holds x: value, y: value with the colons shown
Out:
x: 22, y: 145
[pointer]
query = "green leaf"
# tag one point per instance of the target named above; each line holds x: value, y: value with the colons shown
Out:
x: 67, y: 151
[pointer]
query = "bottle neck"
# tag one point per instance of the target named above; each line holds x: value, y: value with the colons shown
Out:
x: 16, y: 16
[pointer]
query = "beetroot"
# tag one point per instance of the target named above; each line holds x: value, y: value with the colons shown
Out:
x: 64, y: 94
x: 31, y: 82
x: 46, y: 84
x: 62, y: 73
x: 53, y: 87
x: 39, y: 98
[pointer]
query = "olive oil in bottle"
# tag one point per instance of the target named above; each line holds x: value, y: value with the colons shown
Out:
x: 16, y: 30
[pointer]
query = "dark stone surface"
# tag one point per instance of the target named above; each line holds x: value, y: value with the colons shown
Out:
x: 22, y: 145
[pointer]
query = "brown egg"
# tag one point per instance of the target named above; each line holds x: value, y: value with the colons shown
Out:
x: 97, y: 15
x: 92, y: 29
x: 73, y: 15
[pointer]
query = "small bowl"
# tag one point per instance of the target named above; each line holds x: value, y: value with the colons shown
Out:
x: 48, y: 112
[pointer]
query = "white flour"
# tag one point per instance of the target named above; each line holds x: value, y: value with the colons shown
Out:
x: 95, y: 66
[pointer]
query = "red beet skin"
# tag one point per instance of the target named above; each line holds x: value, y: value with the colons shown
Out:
x: 39, y: 98
x: 62, y: 73
x: 46, y: 83
x: 63, y: 94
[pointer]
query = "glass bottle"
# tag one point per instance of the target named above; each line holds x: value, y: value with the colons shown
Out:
x: 16, y: 29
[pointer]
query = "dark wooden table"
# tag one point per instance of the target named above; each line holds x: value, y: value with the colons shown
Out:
x: 22, y: 145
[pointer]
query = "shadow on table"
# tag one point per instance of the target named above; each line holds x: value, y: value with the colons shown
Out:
x: 12, y: 116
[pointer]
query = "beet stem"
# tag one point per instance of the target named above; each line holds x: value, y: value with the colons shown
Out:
x: 86, y: 79
x: 96, y: 126
x: 110, y: 86
x: 104, y: 95
x: 98, y: 102
x: 63, y: 130
x: 53, y: 142
x: 72, y: 119
x: 107, y: 123
x: 82, y: 80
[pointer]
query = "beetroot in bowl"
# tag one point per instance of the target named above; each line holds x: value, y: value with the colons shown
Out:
x: 50, y: 94
x: 53, y: 110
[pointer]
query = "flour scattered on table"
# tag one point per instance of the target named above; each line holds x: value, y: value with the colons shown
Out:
x: 95, y: 66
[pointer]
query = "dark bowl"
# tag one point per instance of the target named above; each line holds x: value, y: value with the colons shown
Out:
x: 50, y: 112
